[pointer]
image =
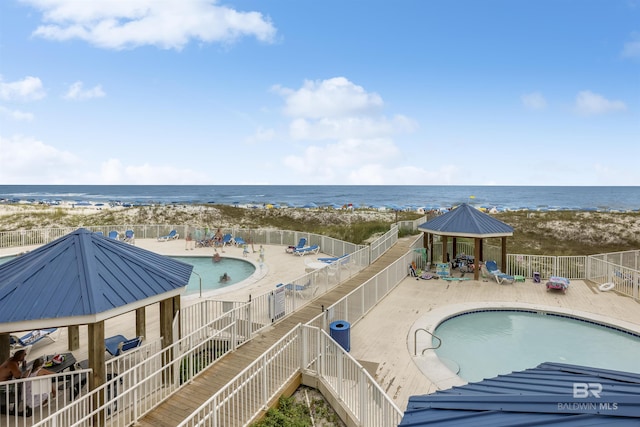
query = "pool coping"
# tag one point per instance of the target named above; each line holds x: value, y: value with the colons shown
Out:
x: 440, y: 374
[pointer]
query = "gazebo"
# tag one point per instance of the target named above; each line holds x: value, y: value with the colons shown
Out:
x: 83, y: 279
x: 466, y: 221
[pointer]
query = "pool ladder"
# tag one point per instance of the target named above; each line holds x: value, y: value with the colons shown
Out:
x: 415, y: 341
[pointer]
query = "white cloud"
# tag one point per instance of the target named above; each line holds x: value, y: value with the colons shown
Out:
x: 114, y: 172
x: 46, y: 164
x: 332, y: 163
x: 589, y: 103
x: 631, y: 48
x: 28, y: 161
x: 534, y: 101
x: 27, y: 89
x: 363, y: 162
x: 336, y: 97
x: 261, y: 135
x: 358, y: 137
x: 165, y: 24
x: 76, y: 92
x: 16, y: 114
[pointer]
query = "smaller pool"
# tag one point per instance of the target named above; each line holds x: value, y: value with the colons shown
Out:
x: 210, y: 272
x: 488, y: 343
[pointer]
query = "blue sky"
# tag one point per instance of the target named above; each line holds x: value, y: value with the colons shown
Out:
x: 543, y: 92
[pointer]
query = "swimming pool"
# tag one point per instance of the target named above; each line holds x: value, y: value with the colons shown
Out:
x: 210, y: 272
x: 488, y: 343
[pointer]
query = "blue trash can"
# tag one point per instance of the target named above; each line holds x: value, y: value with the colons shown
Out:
x: 340, y: 331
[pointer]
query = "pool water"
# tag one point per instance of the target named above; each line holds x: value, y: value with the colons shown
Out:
x: 485, y: 344
x: 210, y: 272
x: 6, y: 258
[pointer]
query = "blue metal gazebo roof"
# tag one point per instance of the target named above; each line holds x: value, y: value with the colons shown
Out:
x: 542, y: 395
x: 466, y: 221
x: 83, y: 278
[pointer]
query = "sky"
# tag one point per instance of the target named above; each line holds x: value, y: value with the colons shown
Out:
x: 288, y: 92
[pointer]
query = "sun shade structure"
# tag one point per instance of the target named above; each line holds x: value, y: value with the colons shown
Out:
x: 550, y: 394
x: 466, y: 221
x: 83, y: 279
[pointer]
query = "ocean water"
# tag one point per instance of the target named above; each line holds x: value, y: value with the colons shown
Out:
x: 391, y: 196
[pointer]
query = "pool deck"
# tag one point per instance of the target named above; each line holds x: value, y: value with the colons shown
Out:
x: 384, y: 339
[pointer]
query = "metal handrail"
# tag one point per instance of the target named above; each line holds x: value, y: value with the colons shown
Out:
x: 415, y: 341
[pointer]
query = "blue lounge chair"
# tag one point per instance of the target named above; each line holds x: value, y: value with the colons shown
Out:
x: 32, y: 337
x: 492, y: 269
x: 100, y: 233
x: 239, y: 241
x: 113, y: 234
x: 129, y: 236
x: 118, y: 344
x: 301, y: 244
x: 330, y: 260
x: 307, y: 250
x: 226, y: 240
x: 306, y: 290
x: 173, y: 234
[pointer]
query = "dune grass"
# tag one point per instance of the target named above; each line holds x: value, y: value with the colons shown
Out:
x: 535, y: 233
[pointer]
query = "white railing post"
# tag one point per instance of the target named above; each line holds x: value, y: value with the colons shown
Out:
x: 303, y: 336
x: 364, y: 397
x: 265, y: 382
x: 135, y: 394
x: 339, y: 374
x: 234, y: 329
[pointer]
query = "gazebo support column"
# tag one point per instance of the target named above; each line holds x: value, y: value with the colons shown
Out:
x: 73, y: 337
x: 176, y: 310
x: 445, y: 244
x: 481, y: 252
x: 503, y: 266
x: 4, y: 347
x: 425, y: 243
x: 141, y: 322
x: 166, y: 331
x: 430, y: 248
x: 96, y: 363
x: 454, y: 248
x: 477, y: 245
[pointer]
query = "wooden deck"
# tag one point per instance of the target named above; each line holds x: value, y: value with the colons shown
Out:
x: 181, y: 404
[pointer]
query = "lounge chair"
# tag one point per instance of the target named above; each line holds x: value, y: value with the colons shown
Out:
x: 173, y: 234
x: 118, y: 344
x: 99, y: 233
x: 129, y: 237
x: 239, y: 241
x: 301, y: 244
x: 113, y: 234
x: 344, y: 259
x: 492, y: 269
x: 303, y: 291
x: 307, y: 250
x: 226, y: 240
x: 443, y: 269
x: 33, y: 337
